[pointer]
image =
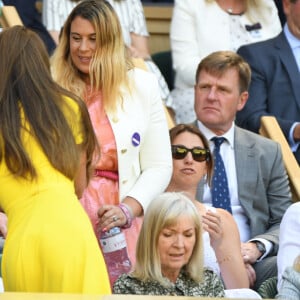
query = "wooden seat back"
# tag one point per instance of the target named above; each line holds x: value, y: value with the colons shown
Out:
x: 271, y: 129
x: 9, y: 17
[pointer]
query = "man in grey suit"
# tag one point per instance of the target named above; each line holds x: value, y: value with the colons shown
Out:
x: 258, y: 186
x: 275, y: 82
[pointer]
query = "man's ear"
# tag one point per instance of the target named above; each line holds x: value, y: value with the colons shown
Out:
x: 242, y: 101
x: 286, y: 5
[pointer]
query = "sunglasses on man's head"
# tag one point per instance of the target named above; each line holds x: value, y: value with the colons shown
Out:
x: 199, y: 154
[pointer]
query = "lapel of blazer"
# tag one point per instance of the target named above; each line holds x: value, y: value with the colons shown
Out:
x: 245, y: 166
x: 287, y: 57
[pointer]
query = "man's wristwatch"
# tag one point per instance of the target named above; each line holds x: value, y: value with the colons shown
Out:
x: 261, y: 247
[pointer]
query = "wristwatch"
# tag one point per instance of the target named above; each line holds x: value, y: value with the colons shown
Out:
x: 261, y: 247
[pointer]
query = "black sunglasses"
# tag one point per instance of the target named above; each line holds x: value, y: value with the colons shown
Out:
x: 199, y: 154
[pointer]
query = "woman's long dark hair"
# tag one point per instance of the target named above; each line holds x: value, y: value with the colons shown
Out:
x: 31, y: 101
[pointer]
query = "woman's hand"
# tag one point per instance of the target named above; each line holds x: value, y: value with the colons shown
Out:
x: 212, y: 224
x: 110, y: 216
x: 113, y: 215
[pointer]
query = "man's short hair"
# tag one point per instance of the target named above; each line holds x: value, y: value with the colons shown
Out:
x: 217, y: 63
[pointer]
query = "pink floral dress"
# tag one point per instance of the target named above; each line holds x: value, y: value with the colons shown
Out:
x: 102, y: 190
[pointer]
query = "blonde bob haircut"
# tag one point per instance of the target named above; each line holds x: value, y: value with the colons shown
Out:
x: 162, y: 212
x: 110, y: 63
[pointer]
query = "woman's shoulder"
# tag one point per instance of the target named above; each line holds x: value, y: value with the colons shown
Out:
x: 210, y: 277
x: 212, y: 283
x: 128, y: 284
x: 140, y: 71
x: 143, y: 78
x: 121, y: 283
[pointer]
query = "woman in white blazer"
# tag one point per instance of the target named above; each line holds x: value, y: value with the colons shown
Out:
x: 127, y: 114
x: 134, y: 29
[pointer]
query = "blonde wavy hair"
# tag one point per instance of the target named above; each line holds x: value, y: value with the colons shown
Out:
x: 110, y: 63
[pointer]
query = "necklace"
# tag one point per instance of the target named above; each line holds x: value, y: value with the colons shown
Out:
x: 233, y: 9
x: 222, y: 4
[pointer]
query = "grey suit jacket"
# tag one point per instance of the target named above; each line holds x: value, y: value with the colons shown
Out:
x: 275, y: 85
x: 263, y: 187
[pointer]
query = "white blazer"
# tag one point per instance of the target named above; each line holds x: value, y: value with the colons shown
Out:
x: 200, y: 27
x: 142, y: 138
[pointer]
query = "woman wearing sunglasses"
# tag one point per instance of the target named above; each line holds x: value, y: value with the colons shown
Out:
x: 192, y: 162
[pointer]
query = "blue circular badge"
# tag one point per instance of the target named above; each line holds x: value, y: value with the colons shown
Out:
x: 136, y: 139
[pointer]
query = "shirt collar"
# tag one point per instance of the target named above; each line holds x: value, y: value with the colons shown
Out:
x: 229, y: 135
x: 292, y: 40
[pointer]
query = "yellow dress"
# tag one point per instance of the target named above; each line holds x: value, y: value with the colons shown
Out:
x: 50, y: 245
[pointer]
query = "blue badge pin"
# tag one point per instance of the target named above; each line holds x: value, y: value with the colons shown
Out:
x: 136, y: 139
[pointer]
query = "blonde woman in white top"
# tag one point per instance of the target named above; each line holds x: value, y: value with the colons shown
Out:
x: 134, y: 29
x: 200, y: 27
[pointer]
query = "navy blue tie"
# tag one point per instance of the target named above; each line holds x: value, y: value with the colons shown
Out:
x: 219, y: 190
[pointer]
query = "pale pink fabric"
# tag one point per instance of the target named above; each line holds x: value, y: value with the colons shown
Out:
x: 103, y: 190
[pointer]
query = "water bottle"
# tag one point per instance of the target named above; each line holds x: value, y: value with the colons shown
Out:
x: 114, y: 249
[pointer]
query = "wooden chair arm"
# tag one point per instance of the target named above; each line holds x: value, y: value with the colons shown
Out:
x: 9, y: 17
x: 271, y: 129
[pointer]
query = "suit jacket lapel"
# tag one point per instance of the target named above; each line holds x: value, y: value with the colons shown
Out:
x: 287, y: 57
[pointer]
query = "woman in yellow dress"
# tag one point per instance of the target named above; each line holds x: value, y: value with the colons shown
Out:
x: 46, y: 143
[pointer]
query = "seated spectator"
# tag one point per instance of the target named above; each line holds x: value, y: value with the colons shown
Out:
x: 274, y: 88
x: 169, y: 256
x: 32, y: 20
x: 134, y: 29
x: 222, y: 247
x: 127, y: 115
x: 209, y: 26
x: 289, y: 243
x: 254, y: 182
x: 290, y: 285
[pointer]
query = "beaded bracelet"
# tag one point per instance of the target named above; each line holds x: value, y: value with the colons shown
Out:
x: 128, y: 214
